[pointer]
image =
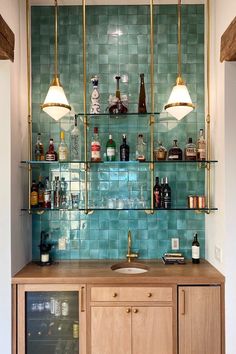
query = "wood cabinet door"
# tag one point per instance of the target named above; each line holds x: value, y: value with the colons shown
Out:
x: 110, y: 330
x: 199, y: 320
x: 152, y: 330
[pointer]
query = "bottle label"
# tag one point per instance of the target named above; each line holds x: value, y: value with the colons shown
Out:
x: 63, y: 153
x: 111, y: 152
x: 195, y: 252
x: 50, y: 157
x: 191, y: 152
x: 34, y: 198
x: 47, y: 199
x: 201, y: 154
x: 95, y: 151
x: 173, y: 157
x: 45, y: 257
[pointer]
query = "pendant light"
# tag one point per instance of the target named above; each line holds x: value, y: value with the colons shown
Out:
x: 56, y: 104
x: 179, y: 103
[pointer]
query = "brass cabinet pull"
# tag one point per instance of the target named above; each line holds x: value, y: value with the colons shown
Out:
x: 82, y: 299
x: 183, y: 302
x: 149, y: 294
x: 128, y: 310
x: 135, y: 310
x: 114, y: 294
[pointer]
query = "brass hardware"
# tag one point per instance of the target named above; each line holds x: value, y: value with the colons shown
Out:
x: 183, y: 302
x: 130, y: 256
x: 114, y: 294
x: 82, y: 299
x: 128, y: 310
x: 149, y: 212
x: 149, y: 294
x: 135, y: 310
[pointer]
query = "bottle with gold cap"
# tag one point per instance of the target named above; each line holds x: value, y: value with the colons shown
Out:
x: 63, y: 152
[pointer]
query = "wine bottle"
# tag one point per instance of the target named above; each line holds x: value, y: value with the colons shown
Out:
x: 124, y: 150
x: 142, y: 96
x: 195, y: 250
x: 166, y: 194
x: 157, y: 194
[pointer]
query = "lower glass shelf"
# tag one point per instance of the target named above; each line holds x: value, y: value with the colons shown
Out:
x: 41, y: 210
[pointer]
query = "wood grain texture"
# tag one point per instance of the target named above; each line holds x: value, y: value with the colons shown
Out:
x: 200, y: 322
x: 99, y: 272
x: 228, y: 43
x: 7, y: 41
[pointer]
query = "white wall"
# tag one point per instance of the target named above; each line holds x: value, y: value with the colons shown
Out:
x: 220, y: 227
x: 15, y: 236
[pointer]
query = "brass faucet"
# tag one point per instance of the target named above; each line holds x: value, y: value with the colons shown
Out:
x: 130, y: 255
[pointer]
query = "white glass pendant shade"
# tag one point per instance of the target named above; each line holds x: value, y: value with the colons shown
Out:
x: 179, y: 103
x: 56, y: 104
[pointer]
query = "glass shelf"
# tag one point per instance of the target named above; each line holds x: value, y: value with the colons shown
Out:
x: 118, y: 115
x: 41, y: 210
x: 33, y: 162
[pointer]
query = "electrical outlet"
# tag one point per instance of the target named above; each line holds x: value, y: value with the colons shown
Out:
x: 174, y: 244
x: 62, y: 243
x: 218, y: 254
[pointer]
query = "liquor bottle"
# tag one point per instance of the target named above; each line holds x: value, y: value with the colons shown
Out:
x: 75, y: 146
x: 201, y: 146
x: 166, y: 194
x: 39, y: 149
x: 51, y: 154
x: 95, y: 146
x: 56, y: 192
x: 63, y: 152
x: 140, y: 148
x: 40, y: 193
x: 95, y: 105
x: 34, y: 195
x: 160, y: 152
x: 190, y: 151
x: 117, y: 106
x: 162, y: 194
x: 142, y: 96
x: 47, y: 194
x: 175, y: 153
x: 124, y: 150
x: 195, y: 250
x: 111, y: 149
x: 63, y: 194
x: 157, y: 194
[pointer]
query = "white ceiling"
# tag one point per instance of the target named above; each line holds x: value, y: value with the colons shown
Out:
x: 113, y: 2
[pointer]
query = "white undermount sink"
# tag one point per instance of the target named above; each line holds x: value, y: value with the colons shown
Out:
x: 130, y: 268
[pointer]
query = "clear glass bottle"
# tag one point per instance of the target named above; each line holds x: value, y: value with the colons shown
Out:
x: 160, y: 152
x: 95, y: 146
x: 175, y: 153
x: 95, y: 96
x: 51, y: 154
x: 75, y: 145
x: 124, y: 150
x: 166, y: 194
x: 157, y: 194
x: 190, y: 151
x: 142, y: 96
x: 201, y: 146
x: 140, y: 148
x: 111, y: 149
x: 63, y: 152
x: 63, y: 194
x: 56, y: 192
x: 39, y: 149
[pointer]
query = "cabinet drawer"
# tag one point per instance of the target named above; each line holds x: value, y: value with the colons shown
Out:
x: 131, y: 294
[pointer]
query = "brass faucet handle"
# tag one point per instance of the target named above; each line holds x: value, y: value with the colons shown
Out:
x: 131, y: 256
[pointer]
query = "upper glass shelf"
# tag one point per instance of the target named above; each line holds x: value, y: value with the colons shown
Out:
x: 118, y: 115
x: 33, y: 162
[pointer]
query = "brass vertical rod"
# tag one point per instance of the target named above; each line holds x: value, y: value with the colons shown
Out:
x: 179, y: 40
x: 208, y: 117
x: 152, y: 117
x: 56, y: 40
x: 29, y: 118
x: 85, y: 110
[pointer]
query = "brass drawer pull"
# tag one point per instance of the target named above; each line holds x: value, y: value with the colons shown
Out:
x: 135, y: 311
x: 128, y: 310
x: 149, y: 294
x: 114, y: 294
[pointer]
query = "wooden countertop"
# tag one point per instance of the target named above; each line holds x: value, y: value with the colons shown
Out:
x: 99, y: 272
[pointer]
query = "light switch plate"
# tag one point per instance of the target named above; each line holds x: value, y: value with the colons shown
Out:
x: 175, y: 244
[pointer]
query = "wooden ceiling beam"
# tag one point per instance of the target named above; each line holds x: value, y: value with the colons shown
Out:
x: 7, y: 41
x: 228, y: 43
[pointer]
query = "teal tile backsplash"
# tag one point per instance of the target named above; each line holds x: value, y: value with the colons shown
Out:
x: 118, y: 42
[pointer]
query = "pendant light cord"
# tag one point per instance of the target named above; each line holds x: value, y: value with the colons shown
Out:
x: 179, y: 39
x: 56, y: 44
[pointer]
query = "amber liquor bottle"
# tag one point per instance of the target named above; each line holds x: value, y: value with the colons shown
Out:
x: 175, y: 153
x: 142, y: 96
x: 157, y: 194
x: 51, y: 154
